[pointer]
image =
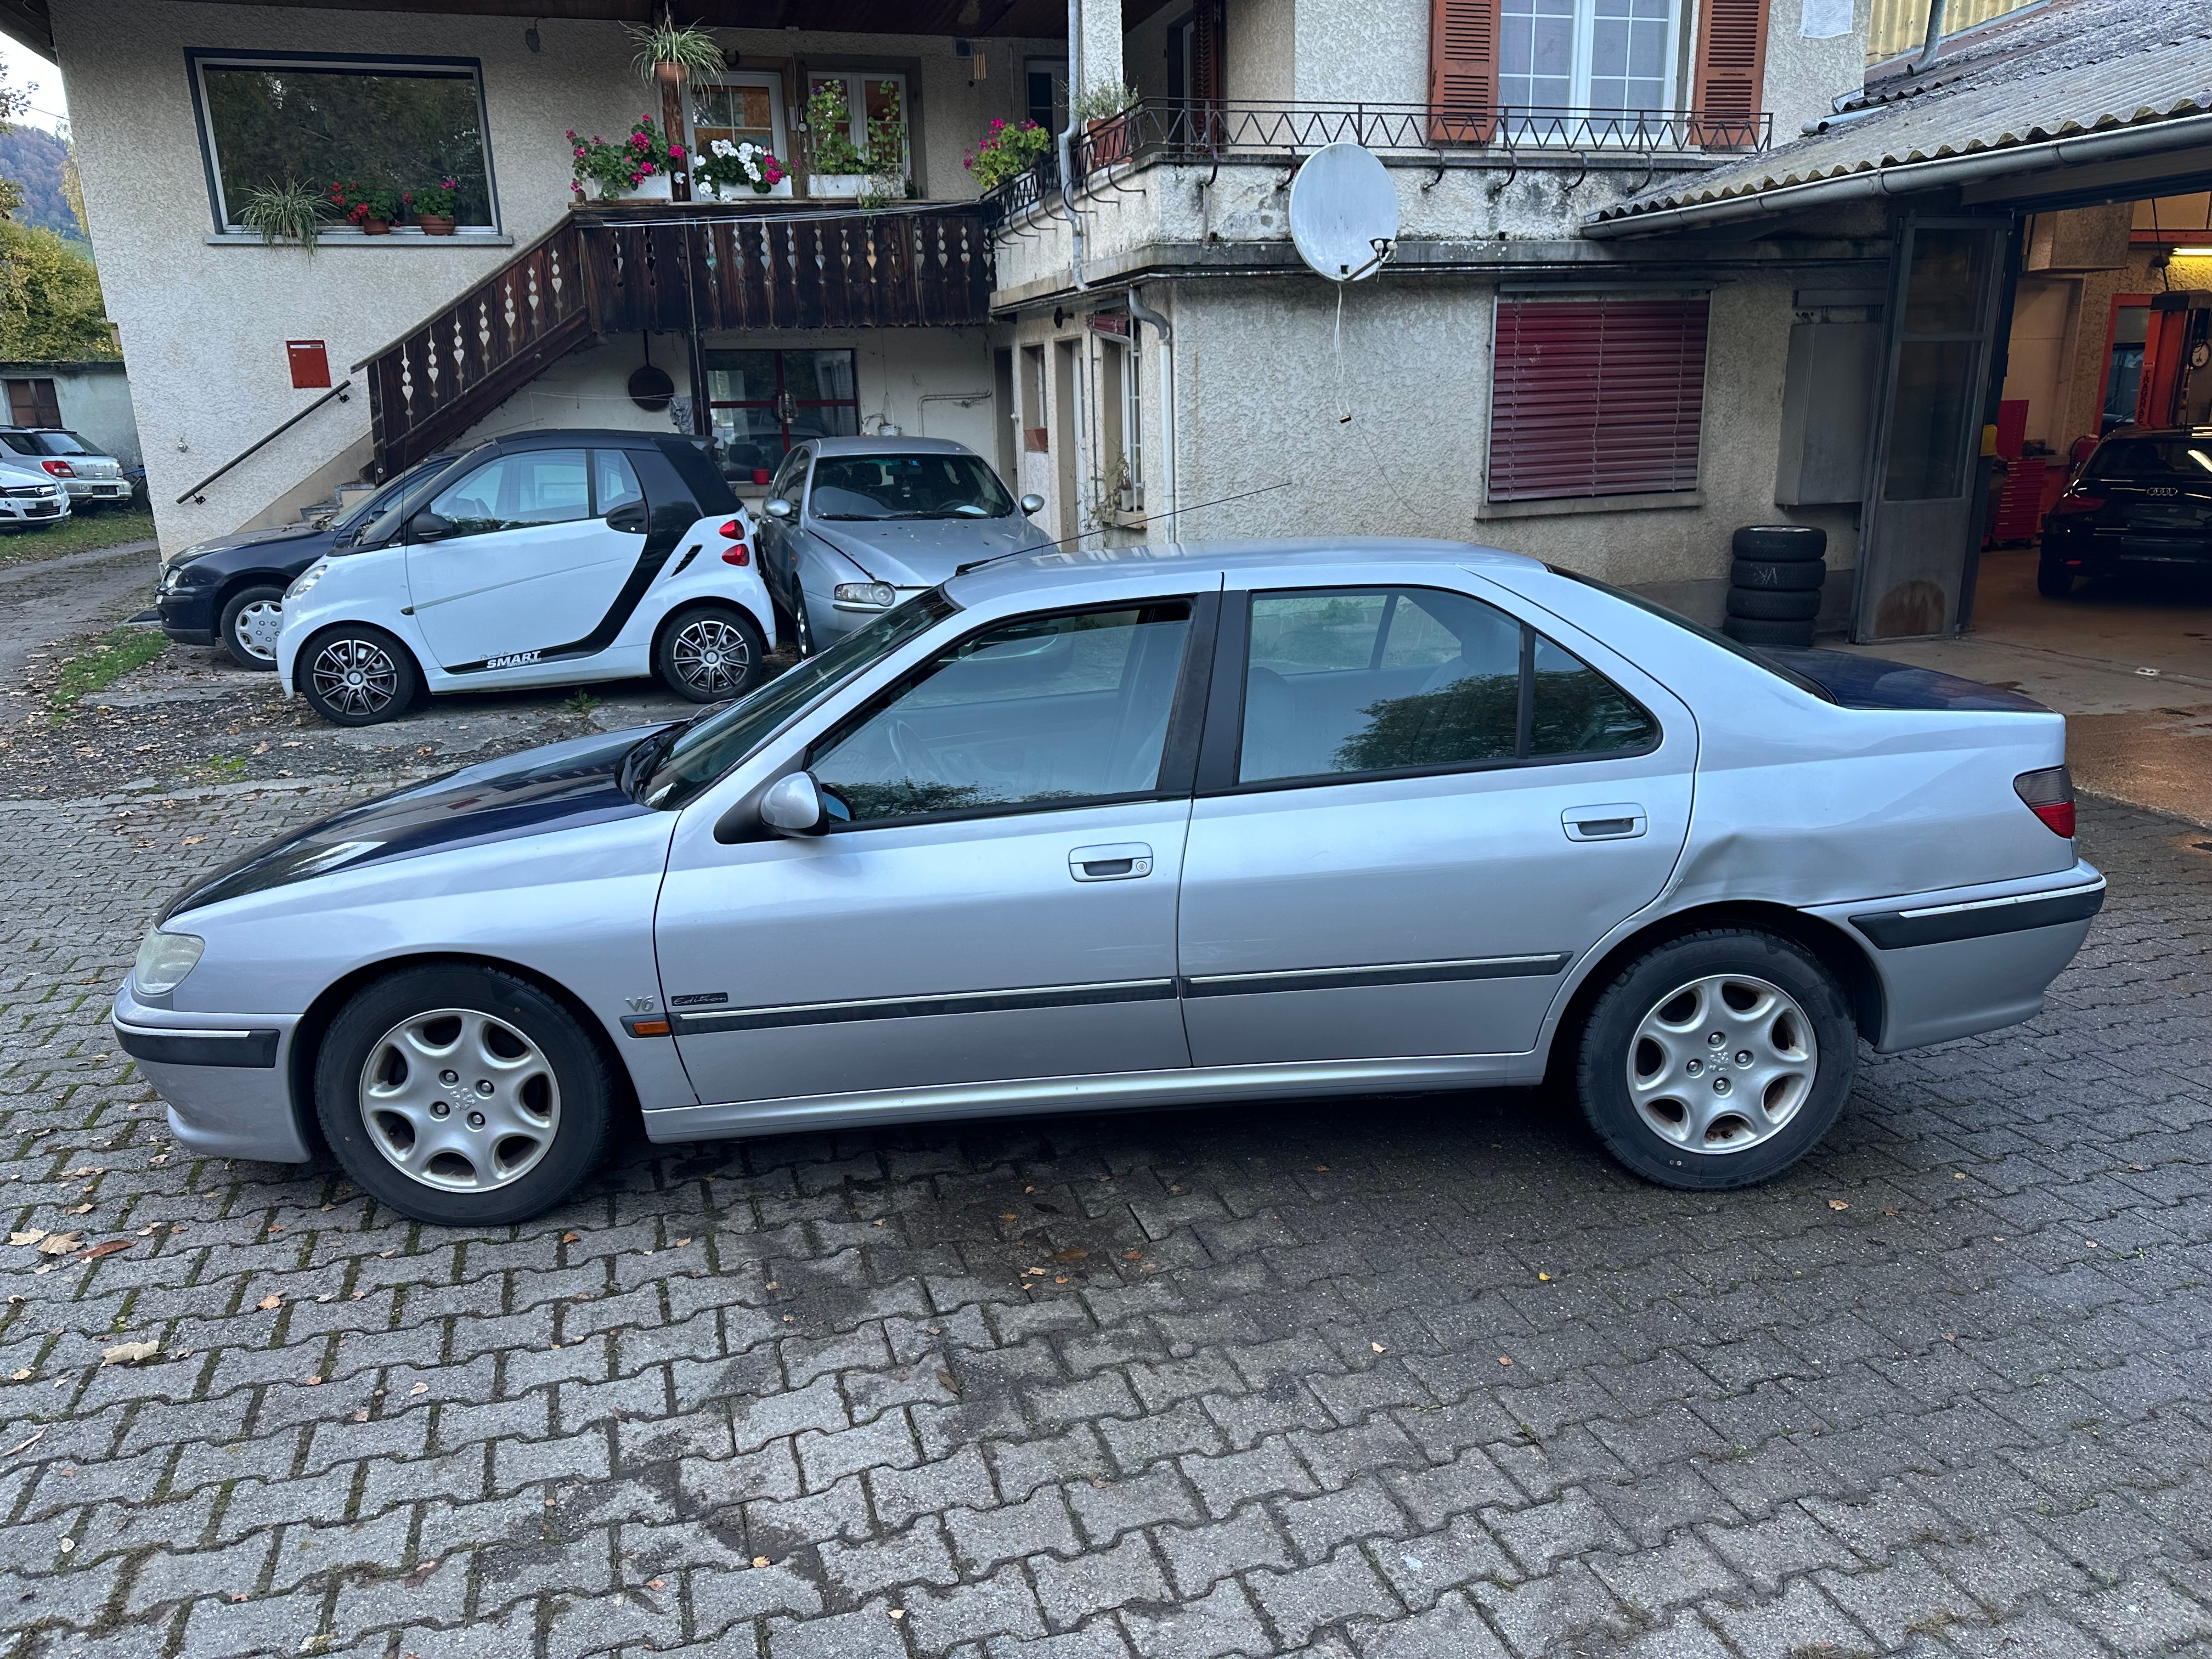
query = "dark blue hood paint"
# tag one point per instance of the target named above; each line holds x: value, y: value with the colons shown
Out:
x: 1857, y: 682
x: 562, y: 786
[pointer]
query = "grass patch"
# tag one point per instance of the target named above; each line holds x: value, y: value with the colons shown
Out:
x: 96, y: 670
x: 78, y: 533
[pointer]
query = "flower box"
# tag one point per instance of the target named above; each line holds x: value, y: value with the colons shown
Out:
x: 837, y: 183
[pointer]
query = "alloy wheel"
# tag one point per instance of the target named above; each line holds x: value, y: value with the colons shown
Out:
x: 255, y: 628
x: 711, y: 656
x: 459, y: 1100
x: 355, y: 676
x: 1723, y: 1063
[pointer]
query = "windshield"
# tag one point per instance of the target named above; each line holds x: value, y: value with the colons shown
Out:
x: 362, y: 511
x: 64, y: 443
x: 2123, y: 459
x: 1756, y: 659
x: 707, y: 748
x: 907, y: 487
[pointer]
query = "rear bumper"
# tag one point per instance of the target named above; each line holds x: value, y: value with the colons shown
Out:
x: 1971, y: 959
x: 226, y: 1081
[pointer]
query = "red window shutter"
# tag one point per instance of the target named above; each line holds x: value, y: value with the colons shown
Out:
x: 1462, y: 71
x: 1598, y: 397
x: 1209, y: 23
x: 1731, y: 71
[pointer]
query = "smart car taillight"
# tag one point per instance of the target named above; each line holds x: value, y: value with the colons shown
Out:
x: 736, y: 554
x: 734, y: 532
x: 2067, y: 506
x: 2050, y: 795
x: 59, y: 468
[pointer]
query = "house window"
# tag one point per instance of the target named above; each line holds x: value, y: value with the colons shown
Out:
x: 1607, y: 56
x: 380, y: 123
x: 874, y: 104
x: 32, y: 403
x: 742, y: 109
x: 765, y: 402
x: 1045, y: 80
x: 1596, y: 396
x: 1120, y: 426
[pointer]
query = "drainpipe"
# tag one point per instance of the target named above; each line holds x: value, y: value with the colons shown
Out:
x: 1935, y: 40
x: 1153, y: 319
x: 1067, y: 141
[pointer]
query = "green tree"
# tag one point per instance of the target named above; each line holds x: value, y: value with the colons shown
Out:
x: 51, y: 307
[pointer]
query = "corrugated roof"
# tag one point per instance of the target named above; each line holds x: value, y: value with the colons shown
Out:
x: 2075, y: 67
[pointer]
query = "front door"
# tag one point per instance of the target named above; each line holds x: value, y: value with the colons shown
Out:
x: 1426, y: 811
x: 1000, y: 901
x: 1922, y: 494
x: 525, y: 556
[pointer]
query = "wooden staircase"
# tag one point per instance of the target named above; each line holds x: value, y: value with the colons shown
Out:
x: 693, y: 269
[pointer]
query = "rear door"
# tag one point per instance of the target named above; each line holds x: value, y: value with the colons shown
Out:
x: 1421, y: 813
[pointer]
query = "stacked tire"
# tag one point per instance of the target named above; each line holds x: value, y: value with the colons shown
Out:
x: 1774, y: 586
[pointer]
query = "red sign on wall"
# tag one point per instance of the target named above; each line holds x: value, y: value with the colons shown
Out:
x: 311, y: 363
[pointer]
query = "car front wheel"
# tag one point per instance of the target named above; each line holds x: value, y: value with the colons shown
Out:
x: 1716, y: 1059
x: 463, y: 1096
x: 710, y: 653
x: 356, y: 675
x: 252, y: 618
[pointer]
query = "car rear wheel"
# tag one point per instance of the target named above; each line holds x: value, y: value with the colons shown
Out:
x: 463, y: 1096
x: 2054, y: 579
x: 1717, y: 1059
x: 356, y: 675
x: 252, y: 618
x: 710, y: 653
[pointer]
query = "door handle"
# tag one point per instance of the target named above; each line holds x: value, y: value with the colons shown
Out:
x: 1617, y: 821
x: 1122, y: 862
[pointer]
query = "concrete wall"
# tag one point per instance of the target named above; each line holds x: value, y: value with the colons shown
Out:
x: 1804, y: 76
x: 95, y: 403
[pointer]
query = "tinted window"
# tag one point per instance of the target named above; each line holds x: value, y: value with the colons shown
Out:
x: 516, y: 492
x: 614, y: 481
x: 1575, y: 710
x: 1039, y: 711
x: 907, y: 487
x: 2127, y: 458
x: 366, y: 508
x: 23, y: 443
x: 65, y: 443
x: 1781, y: 671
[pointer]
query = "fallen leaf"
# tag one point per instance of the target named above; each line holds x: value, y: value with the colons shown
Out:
x: 759, y: 1561
x: 1035, y: 1272
x: 25, y: 1445
x: 1072, y: 1253
x: 270, y: 1303
x: 128, y: 1353
x: 950, y: 1382
x: 1059, y: 1278
x: 77, y: 1209
x: 1378, y: 1347
x: 420, y: 1388
x: 1547, y: 1277
x: 312, y: 1382
x: 421, y: 1575
x: 57, y: 1243
x: 23, y: 1375
x: 194, y: 841
x: 108, y: 1249
x: 1010, y: 1215
x: 898, y: 1613
x: 1838, y: 1204
x: 679, y: 1244
x: 1504, y: 1360
x: 655, y: 1584
x: 571, y: 1238
x: 362, y: 1416
x: 1320, y: 1169
x: 1131, y: 1255
x: 31, y: 1236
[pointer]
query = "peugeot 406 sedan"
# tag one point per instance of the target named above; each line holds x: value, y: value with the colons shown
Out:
x: 1157, y: 825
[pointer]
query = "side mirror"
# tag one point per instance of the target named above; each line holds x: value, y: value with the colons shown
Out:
x: 1030, y: 505
x: 793, y: 806
x: 428, y: 526
x: 778, y: 507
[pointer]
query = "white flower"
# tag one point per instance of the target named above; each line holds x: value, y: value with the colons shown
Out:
x: 723, y: 147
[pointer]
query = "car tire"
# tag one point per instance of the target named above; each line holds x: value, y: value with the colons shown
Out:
x: 2054, y: 579
x: 251, y: 616
x: 801, y: 629
x: 1649, y: 1088
x: 1799, y: 576
x: 324, y: 673
x: 1765, y: 604
x: 463, y: 1096
x: 1752, y: 630
x: 710, y: 653
x: 1782, y: 544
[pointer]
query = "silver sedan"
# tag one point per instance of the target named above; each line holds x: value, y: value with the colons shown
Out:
x: 1090, y: 831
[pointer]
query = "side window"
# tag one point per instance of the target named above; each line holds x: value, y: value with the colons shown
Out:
x: 614, y: 481
x: 517, y: 492
x: 791, y: 482
x: 1038, y: 712
x: 1366, y: 680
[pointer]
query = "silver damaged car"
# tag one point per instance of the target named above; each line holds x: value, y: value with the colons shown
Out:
x: 1161, y: 826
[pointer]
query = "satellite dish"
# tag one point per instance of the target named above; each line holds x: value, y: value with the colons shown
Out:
x: 1344, y: 212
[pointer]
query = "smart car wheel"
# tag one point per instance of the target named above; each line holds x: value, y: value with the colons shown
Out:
x: 252, y: 618
x: 710, y: 653
x: 463, y: 1096
x: 1716, y: 1060
x: 355, y: 675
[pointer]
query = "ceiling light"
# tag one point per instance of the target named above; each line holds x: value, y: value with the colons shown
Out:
x: 2193, y: 254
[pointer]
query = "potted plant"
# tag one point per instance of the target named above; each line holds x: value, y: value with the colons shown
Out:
x: 634, y: 168
x: 290, y: 212
x: 372, y: 209
x: 1105, y: 110
x: 432, y: 206
x: 1008, y: 150
x: 834, y: 165
x: 737, y: 169
x: 671, y: 53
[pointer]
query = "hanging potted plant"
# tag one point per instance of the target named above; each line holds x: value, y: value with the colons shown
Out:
x: 834, y: 165
x: 671, y: 53
x: 634, y: 169
x: 432, y: 205
x: 372, y: 211
x: 1106, y: 111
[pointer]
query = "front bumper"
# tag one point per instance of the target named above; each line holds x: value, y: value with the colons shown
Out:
x: 226, y: 1080
x: 188, y: 615
x: 34, y: 509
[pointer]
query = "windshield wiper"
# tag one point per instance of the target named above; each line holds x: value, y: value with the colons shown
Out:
x: 645, y: 754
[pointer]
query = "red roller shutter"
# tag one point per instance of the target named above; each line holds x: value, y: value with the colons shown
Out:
x: 1462, y: 71
x: 1599, y: 396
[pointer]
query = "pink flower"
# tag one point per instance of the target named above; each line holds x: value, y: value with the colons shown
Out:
x: 676, y: 152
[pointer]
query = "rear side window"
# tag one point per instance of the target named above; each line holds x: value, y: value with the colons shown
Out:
x: 2131, y: 457
x: 614, y: 481
x: 1346, y: 681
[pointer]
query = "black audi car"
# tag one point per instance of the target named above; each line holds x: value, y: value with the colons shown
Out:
x: 230, y: 591
x: 2143, y: 501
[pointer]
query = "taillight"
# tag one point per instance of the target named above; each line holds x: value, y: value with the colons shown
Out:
x: 59, y: 468
x: 2067, y: 506
x: 736, y: 554
x: 2050, y: 795
x: 732, y: 531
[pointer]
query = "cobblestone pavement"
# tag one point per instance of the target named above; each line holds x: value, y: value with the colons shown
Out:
x: 1403, y: 1378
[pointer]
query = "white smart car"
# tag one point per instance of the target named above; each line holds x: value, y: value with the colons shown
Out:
x: 540, y: 558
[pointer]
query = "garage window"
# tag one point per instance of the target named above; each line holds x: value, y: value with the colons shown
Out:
x: 1596, y: 396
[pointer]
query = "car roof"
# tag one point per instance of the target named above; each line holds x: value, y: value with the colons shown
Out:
x: 2120, y: 432
x: 1058, y: 570
x: 887, y: 446
x: 559, y: 437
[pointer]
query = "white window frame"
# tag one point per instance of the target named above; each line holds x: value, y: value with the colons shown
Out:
x: 1129, y: 413
x: 1578, y: 75
x: 780, y: 141
x: 856, y: 104
x: 198, y: 62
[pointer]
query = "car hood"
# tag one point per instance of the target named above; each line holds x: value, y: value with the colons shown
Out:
x: 296, y: 534
x: 560, y: 787
x: 923, y: 552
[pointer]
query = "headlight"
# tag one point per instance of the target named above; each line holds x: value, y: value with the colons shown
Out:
x: 164, y: 959
x: 307, y: 579
x: 880, y: 596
